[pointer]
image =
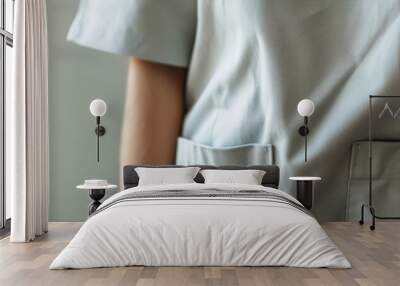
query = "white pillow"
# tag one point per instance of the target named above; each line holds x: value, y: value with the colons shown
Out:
x: 163, y: 176
x: 248, y: 177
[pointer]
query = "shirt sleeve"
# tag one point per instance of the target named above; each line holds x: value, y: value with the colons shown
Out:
x: 157, y: 30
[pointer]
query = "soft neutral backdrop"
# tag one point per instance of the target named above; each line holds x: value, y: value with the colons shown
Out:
x: 78, y: 75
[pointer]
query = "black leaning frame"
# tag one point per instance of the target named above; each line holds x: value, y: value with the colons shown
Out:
x: 370, y: 200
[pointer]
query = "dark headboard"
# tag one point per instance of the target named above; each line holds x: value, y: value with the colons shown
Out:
x: 271, y: 177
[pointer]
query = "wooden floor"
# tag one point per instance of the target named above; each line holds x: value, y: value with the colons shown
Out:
x: 375, y: 257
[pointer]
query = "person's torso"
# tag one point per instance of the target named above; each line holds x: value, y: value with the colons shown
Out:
x: 253, y: 61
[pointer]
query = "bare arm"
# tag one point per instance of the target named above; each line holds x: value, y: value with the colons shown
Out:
x: 153, y: 113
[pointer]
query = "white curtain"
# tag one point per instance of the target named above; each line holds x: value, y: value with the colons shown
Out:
x: 27, y: 123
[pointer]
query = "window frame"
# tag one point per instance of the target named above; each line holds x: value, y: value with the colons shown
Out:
x: 6, y: 39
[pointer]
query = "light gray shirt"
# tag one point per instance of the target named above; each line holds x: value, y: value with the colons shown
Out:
x: 250, y: 63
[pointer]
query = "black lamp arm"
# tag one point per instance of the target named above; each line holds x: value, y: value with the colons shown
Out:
x: 98, y: 137
x: 303, y: 131
x: 305, y: 137
x: 100, y: 131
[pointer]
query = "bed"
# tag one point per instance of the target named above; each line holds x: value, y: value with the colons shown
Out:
x: 199, y: 224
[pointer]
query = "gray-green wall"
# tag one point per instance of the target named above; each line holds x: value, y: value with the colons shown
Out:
x: 76, y: 76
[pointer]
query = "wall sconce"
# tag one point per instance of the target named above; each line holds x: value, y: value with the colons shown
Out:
x: 98, y: 108
x: 305, y: 108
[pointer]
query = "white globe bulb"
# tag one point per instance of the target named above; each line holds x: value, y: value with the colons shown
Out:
x: 305, y: 107
x: 98, y: 107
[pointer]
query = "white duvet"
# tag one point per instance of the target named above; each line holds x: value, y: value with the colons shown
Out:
x: 200, y: 231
